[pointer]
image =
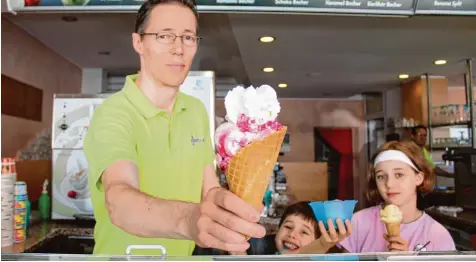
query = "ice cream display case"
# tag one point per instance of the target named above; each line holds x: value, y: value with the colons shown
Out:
x: 410, y: 256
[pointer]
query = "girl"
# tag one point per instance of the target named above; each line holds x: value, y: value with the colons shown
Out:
x: 398, y: 173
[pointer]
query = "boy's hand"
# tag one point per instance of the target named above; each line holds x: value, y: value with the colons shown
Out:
x: 396, y: 244
x: 332, y: 237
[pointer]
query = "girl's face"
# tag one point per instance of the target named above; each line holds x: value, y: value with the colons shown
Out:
x: 294, y: 233
x: 397, y: 182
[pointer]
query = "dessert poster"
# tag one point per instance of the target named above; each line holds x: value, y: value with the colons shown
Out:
x: 70, y: 184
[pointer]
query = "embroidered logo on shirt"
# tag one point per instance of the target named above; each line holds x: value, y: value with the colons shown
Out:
x: 196, y: 140
x: 420, y: 247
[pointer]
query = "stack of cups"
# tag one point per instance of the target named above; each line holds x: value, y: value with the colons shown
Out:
x: 19, y: 212
x: 8, y: 200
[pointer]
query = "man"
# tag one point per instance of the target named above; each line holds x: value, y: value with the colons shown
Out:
x: 150, y: 183
x: 419, y: 136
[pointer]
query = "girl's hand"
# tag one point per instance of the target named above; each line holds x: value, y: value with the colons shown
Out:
x: 396, y: 244
x: 331, y: 237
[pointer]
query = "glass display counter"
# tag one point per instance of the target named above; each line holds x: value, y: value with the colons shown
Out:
x: 410, y: 256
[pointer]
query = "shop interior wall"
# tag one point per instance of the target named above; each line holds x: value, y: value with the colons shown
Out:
x: 27, y: 60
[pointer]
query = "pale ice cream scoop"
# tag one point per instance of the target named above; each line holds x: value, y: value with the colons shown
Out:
x: 391, y: 214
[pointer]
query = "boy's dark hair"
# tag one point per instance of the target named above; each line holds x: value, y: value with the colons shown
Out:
x: 415, y: 129
x: 144, y: 11
x: 304, y: 210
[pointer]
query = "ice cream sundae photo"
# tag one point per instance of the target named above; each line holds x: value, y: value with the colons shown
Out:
x: 249, y: 141
x: 79, y: 184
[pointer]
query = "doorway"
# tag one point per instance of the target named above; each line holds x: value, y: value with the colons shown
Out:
x: 334, y: 146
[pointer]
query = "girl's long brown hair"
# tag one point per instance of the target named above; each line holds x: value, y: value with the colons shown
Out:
x: 412, y: 151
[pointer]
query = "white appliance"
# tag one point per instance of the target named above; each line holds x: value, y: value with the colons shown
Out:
x: 71, y: 118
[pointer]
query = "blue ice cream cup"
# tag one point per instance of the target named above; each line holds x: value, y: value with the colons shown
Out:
x: 333, y: 209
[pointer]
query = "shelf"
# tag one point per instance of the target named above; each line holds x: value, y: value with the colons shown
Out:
x: 439, y: 148
x: 463, y: 124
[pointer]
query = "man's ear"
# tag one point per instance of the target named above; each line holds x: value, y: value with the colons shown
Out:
x: 137, y: 43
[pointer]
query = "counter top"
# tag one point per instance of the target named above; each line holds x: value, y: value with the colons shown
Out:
x: 42, y: 231
x: 465, y: 220
x: 45, y: 230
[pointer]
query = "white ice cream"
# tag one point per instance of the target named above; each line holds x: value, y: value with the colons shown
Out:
x: 260, y: 104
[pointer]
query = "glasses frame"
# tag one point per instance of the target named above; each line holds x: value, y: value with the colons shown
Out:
x: 174, y: 39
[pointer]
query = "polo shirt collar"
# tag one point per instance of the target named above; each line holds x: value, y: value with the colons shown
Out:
x: 143, y: 104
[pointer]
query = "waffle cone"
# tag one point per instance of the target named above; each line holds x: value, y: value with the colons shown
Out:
x: 393, y: 229
x: 249, y: 171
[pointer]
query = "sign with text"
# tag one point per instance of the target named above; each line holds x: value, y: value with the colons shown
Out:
x: 378, y: 7
x: 307, y: 6
x: 462, y: 7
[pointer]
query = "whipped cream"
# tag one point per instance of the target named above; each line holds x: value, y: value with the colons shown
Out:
x: 260, y: 104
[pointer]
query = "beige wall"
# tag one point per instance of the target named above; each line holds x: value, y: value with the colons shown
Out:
x: 28, y: 60
x: 302, y: 115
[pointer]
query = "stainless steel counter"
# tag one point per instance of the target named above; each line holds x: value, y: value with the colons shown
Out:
x: 410, y: 256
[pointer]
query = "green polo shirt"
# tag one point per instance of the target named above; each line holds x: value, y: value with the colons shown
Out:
x: 428, y: 156
x: 170, y: 150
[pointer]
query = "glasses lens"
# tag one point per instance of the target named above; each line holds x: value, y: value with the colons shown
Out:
x: 166, y: 38
x: 190, y: 40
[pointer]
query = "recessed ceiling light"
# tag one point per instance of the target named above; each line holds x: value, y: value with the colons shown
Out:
x: 69, y: 18
x: 403, y: 76
x: 283, y: 85
x: 268, y: 69
x: 266, y: 39
x: 440, y: 62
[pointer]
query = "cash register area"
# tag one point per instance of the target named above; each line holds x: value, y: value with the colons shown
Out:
x: 349, y: 75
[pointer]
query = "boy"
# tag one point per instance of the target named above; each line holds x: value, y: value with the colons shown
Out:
x: 300, y: 232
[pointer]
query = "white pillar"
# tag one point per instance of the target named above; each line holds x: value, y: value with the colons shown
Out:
x: 94, y: 81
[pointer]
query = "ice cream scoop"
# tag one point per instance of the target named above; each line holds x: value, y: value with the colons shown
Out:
x: 392, y: 217
x: 391, y: 214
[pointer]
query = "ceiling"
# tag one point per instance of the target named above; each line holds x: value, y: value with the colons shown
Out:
x: 317, y: 56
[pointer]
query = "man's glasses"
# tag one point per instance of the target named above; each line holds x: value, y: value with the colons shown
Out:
x: 169, y: 38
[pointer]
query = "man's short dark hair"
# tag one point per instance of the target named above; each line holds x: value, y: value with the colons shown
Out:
x: 144, y: 11
x: 304, y: 210
x: 415, y: 129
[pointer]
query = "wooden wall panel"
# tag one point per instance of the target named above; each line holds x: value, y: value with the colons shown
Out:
x: 21, y: 100
x: 307, y: 181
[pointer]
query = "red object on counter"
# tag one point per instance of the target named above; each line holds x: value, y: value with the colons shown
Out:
x: 32, y: 2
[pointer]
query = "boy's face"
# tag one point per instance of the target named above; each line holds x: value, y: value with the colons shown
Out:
x: 294, y: 233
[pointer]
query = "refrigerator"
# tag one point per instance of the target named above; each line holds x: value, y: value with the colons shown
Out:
x: 71, y: 118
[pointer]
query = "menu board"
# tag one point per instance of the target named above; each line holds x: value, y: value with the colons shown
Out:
x: 313, y: 6
x: 461, y: 7
x: 390, y: 7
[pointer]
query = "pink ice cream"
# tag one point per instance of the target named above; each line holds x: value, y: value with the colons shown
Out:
x: 251, y: 114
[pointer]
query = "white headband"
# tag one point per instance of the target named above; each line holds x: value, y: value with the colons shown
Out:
x: 394, y: 155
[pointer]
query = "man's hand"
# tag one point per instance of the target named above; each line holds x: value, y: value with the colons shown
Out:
x: 396, y: 244
x: 223, y: 220
x: 330, y: 238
